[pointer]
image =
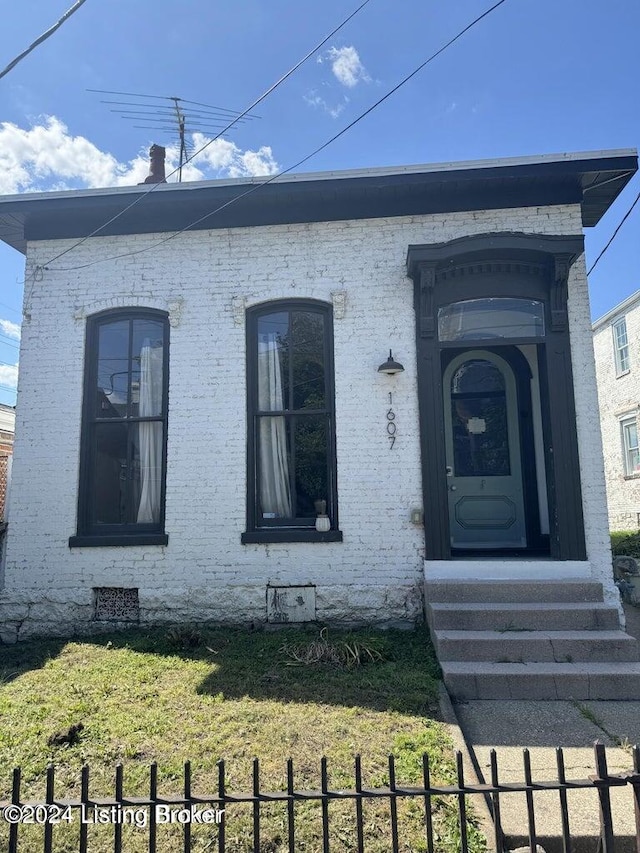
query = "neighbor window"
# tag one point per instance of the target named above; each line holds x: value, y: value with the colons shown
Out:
x: 124, y: 428
x: 621, y: 346
x: 291, y: 441
x: 631, y: 451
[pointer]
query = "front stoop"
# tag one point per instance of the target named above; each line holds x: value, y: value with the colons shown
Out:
x: 542, y: 639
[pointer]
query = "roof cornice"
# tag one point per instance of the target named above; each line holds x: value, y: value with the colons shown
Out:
x: 590, y: 179
x: 621, y: 308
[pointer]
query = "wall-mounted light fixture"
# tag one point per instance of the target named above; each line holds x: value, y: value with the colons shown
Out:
x: 390, y: 367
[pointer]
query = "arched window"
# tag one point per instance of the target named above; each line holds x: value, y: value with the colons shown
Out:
x: 291, y: 417
x: 491, y: 319
x: 124, y: 429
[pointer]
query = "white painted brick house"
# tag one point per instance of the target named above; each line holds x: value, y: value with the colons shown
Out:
x: 231, y: 451
x: 616, y: 342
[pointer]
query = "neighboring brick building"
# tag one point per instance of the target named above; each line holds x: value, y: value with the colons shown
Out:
x: 231, y: 450
x: 616, y: 342
x: 7, y: 430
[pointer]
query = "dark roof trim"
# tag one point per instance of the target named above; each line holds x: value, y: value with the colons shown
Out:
x: 591, y: 180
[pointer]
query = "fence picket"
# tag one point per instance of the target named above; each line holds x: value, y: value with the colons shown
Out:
x: 324, y: 784
x: 564, y: 806
x: 117, y: 830
x: 635, y: 781
x: 15, y: 799
x: 48, y: 827
x: 462, y: 805
x: 256, y: 806
x: 187, y: 796
x: 495, y: 801
x: 428, y: 815
x: 359, y: 811
x: 84, y: 801
x: 601, y: 782
x: 153, y: 796
x: 606, y: 821
x: 222, y: 803
x: 290, y: 807
x: 531, y: 818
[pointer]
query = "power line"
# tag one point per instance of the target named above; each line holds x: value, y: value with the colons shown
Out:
x: 246, y: 112
x: 269, y: 180
x: 42, y: 38
x: 622, y: 221
x: 15, y: 310
x: 7, y: 342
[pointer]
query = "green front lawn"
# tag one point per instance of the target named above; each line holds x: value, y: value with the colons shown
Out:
x: 203, y: 695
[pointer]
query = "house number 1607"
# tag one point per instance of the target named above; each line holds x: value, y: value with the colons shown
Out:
x: 391, y: 427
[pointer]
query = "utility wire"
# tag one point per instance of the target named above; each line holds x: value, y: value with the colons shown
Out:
x: 42, y: 38
x: 256, y: 187
x: 622, y: 221
x: 4, y: 305
x: 251, y: 106
x: 6, y: 342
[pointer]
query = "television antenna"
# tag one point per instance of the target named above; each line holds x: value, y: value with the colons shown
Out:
x: 176, y: 116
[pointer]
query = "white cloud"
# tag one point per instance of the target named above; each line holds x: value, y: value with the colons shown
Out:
x: 9, y: 375
x: 47, y: 156
x: 314, y: 100
x: 347, y: 67
x: 11, y: 330
x: 225, y: 156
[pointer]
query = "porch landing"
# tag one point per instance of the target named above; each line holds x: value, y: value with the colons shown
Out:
x: 530, y: 639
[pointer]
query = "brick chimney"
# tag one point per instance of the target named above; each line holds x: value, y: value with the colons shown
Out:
x: 156, y: 165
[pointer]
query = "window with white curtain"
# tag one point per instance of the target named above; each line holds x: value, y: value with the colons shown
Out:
x: 290, y: 401
x: 124, y: 426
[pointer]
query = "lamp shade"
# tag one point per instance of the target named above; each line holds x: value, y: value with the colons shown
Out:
x: 390, y: 367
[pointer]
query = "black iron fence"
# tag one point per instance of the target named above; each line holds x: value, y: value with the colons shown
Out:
x: 216, y: 810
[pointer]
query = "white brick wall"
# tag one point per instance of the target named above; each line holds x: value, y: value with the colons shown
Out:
x: 202, y: 278
x: 619, y: 396
x: 594, y: 503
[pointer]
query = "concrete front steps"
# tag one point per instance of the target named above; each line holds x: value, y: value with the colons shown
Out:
x: 503, y: 639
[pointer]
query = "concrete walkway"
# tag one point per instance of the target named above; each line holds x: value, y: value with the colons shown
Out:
x: 510, y: 726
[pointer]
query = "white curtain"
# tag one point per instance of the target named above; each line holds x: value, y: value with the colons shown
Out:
x: 150, y: 433
x: 275, y: 492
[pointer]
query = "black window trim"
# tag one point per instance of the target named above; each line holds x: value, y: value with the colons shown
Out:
x: 284, y: 532
x: 89, y: 535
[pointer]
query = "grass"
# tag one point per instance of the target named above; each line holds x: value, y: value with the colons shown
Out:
x: 592, y: 717
x: 201, y: 695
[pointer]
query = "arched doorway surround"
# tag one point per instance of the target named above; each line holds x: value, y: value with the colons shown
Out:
x: 491, y: 318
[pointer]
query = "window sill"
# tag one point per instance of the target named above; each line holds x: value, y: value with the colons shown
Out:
x: 623, y: 373
x: 118, y: 539
x: 289, y: 535
x: 632, y: 476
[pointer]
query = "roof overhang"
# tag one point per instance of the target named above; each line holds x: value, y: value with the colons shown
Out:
x: 591, y: 179
x: 621, y: 308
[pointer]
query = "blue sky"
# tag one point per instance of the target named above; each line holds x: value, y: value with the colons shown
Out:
x: 535, y: 77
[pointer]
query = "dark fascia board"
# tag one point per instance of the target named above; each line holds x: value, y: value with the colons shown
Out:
x: 593, y: 181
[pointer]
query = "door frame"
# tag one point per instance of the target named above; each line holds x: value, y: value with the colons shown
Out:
x: 529, y: 266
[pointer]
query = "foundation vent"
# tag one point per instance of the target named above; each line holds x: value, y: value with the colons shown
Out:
x: 116, y: 604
